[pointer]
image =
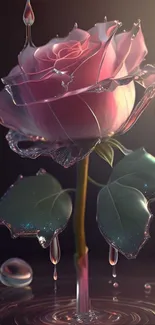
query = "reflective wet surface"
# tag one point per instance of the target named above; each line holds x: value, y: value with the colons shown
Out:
x: 131, y: 302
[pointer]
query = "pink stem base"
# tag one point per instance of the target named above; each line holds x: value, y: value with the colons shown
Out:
x: 82, y: 287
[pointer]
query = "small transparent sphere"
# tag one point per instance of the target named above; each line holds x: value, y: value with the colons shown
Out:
x: 16, y: 273
x: 147, y: 286
x: 115, y: 285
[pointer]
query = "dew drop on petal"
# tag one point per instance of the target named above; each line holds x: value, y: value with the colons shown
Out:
x: 16, y: 273
x: 75, y: 25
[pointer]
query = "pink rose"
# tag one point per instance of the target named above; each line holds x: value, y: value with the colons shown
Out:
x: 73, y: 92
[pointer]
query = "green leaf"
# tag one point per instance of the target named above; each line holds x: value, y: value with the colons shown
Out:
x: 123, y: 218
x: 106, y: 152
x: 36, y: 205
x: 116, y: 144
x: 136, y: 170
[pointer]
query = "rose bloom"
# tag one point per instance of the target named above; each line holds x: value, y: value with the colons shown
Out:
x: 70, y: 94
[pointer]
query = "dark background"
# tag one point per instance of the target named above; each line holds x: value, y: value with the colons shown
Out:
x: 58, y: 17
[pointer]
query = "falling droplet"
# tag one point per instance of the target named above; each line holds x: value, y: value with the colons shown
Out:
x: 147, y: 286
x: 28, y: 18
x: 124, y: 31
x: 114, y: 274
x: 55, y: 252
x: 55, y: 275
x: 115, y: 285
x: 75, y: 25
x: 55, y: 255
x: 115, y: 299
x: 16, y: 273
x: 113, y: 256
x: 57, y: 36
x: 105, y: 19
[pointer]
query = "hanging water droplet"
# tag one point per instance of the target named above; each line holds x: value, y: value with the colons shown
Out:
x: 57, y: 36
x: 28, y: 15
x: 16, y: 273
x: 113, y: 255
x: 75, y: 25
x: 28, y: 18
x: 55, y: 252
x: 147, y: 286
x: 114, y: 274
x: 105, y: 19
x: 115, y: 285
x: 55, y: 275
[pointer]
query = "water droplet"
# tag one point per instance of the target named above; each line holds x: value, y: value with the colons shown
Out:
x: 75, y: 25
x: 115, y: 285
x: 41, y: 171
x: 105, y: 19
x: 55, y: 252
x: 147, y: 286
x: 16, y: 273
x: 28, y: 15
x: 57, y: 35
x: 113, y: 255
x: 115, y: 299
x: 55, y: 275
x: 28, y: 18
x: 114, y: 274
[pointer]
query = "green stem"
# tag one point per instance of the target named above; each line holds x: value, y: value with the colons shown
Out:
x: 80, y: 206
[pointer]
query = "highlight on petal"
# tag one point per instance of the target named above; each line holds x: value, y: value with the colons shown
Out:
x: 146, y: 76
x: 103, y: 31
x: 130, y: 49
x: 149, y: 94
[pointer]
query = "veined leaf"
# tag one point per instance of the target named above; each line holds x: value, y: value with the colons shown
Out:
x: 122, y: 212
x: 123, y: 217
x: 36, y: 206
x: 106, y: 152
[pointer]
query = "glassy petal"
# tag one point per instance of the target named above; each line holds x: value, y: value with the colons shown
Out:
x: 66, y: 154
x: 138, y: 110
x: 38, y: 90
x: 130, y: 49
x: 90, y: 68
x: 16, y: 117
x: 146, y: 76
x: 111, y: 108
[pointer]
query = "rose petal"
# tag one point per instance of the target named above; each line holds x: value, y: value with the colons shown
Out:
x: 44, y: 54
x: 15, y: 117
x: 32, y: 92
x: 146, y: 76
x: 103, y: 31
x: 111, y: 109
x: 91, y: 67
x: 73, y: 114
x: 27, y: 60
x: 130, y: 49
x: 89, y: 115
x: 149, y: 94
